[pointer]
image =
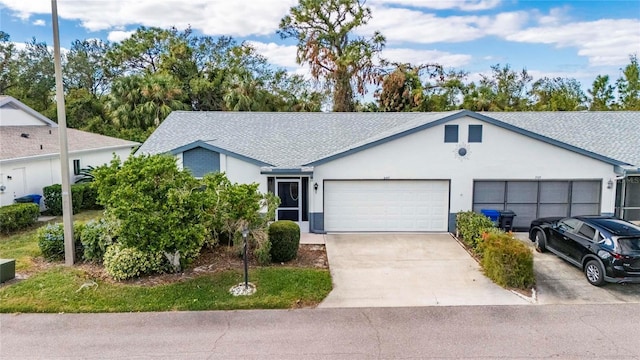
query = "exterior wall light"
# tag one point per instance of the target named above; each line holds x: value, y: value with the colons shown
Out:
x: 610, y: 184
x: 315, y: 187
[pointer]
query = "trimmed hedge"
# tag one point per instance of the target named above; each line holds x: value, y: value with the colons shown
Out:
x: 471, y: 226
x: 18, y: 216
x: 507, y: 261
x: 53, y: 198
x: 284, y: 236
x: 51, y: 241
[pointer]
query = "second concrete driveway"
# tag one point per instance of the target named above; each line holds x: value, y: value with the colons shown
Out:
x: 558, y: 282
x: 378, y: 270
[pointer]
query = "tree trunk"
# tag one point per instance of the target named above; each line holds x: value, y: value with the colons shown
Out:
x: 342, y: 92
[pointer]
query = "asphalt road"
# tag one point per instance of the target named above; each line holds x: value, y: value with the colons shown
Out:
x: 462, y: 332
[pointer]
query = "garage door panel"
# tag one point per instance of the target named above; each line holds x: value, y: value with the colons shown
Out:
x: 542, y: 198
x: 386, y: 205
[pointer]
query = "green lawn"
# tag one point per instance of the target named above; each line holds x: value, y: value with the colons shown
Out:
x: 60, y: 288
x: 23, y: 247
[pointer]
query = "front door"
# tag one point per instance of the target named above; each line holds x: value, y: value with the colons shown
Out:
x: 290, y: 193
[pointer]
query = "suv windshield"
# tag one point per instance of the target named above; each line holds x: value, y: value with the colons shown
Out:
x: 629, y: 245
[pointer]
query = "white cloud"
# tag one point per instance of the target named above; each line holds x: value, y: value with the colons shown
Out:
x: 39, y: 22
x: 212, y: 17
x: 603, y: 42
x: 416, y: 57
x: 280, y: 55
x: 405, y: 25
x: 119, y: 35
x: 465, y: 5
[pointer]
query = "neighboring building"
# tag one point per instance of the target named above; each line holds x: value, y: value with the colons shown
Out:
x: 30, y: 151
x: 339, y: 172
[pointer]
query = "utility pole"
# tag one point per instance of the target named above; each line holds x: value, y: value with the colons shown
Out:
x: 67, y: 212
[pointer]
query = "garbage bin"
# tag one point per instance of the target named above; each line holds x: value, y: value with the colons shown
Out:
x: 31, y: 198
x: 494, y: 215
x: 506, y: 220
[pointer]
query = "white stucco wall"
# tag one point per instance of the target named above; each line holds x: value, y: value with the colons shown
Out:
x: 239, y: 171
x: 503, y: 154
x: 29, y: 176
x: 16, y: 117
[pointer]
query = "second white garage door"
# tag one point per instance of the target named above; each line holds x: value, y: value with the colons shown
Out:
x: 389, y: 205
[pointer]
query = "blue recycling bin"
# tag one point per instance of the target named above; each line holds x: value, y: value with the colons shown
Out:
x: 494, y: 215
x: 31, y: 198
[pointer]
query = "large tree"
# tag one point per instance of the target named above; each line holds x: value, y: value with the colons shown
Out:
x: 337, y: 58
x: 86, y: 67
x: 558, y: 94
x: 35, y: 78
x: 601, y: 94
x: 8, y: 63
x: 508, y: 88
x: 629, y: 86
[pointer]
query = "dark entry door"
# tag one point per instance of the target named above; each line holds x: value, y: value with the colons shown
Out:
x: 290, y: 193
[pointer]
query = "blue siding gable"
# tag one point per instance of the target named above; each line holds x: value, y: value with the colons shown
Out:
x: 201, y: 161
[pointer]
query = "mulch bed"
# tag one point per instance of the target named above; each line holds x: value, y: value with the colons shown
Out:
x: 211, y: 260
x: 216, y: 259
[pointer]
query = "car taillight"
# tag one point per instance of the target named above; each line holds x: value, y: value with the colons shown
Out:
x: 616, y: 256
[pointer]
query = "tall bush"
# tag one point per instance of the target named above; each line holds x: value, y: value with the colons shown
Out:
x: 18, y: 216
x: 507, y: 261
x: 471, y: 226
x: 284, y: 236
x: 53, y: 198
x: 159, y: 208
x: 89, y: 195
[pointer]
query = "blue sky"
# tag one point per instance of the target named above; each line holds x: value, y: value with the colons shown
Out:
x: 578, y: 39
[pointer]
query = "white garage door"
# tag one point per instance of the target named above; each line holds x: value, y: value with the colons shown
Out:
x: 389, y: 205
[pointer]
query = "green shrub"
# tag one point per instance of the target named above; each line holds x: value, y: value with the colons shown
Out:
x: 18, y: 216
x: 123, y: 263
x: 95, y: 238
x: 284, y: 236
x: 51, y: 241
x: 53, y: 198
x: 507, y: 261
x: 89, y: 196
x: 158, y: 207
x: 471, y: 226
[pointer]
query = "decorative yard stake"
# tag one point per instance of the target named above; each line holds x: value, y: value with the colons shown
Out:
x: 246, y: 288
x: 245, y: 232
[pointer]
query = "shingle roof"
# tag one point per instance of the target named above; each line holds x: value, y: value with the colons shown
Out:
x: 290, y: 140
x: 614, y: 134
x: 14, y: 145
x: 280, y: 139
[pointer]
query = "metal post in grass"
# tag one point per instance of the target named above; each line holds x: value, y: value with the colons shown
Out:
x: 245, y: 232
x: 67, y: 212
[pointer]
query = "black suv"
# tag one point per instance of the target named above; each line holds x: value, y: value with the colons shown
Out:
x: 605, y: 248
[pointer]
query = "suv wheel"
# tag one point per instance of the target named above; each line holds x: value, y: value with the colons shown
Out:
x: 594, y: 273
x: 540, y: 241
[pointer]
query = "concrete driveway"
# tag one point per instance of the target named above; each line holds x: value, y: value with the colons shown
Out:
x: 384, y: 270
x: 558, y: 282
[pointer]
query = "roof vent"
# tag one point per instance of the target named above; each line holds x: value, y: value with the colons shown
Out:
x: 25, y: 135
